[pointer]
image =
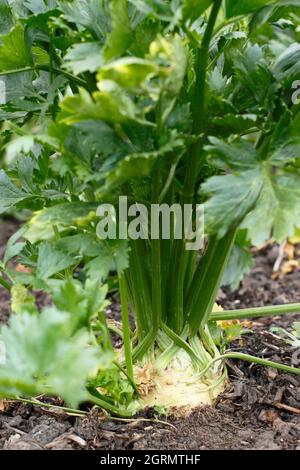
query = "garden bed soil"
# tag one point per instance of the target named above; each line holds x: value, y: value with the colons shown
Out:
x: 259, y: 410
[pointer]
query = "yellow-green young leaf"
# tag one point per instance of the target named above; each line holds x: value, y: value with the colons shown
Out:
x: 110, y: 104
x: 14, y: 51
x: 21, y: 299
x: 172, y: 57
x: 40, y: 227
x: 192, y: 9
x: 128, y: 72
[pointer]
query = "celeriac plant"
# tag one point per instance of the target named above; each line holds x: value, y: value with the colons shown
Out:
x: 164, y: 102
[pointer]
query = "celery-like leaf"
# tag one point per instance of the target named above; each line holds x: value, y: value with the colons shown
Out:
x: 41, y: 356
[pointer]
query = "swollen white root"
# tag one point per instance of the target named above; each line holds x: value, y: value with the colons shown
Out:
x: 178, y: 386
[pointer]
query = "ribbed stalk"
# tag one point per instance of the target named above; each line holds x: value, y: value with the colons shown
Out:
x: 140, y: 288
x: 178, y: 269
x: 205, y: 296
x: 125, y: 324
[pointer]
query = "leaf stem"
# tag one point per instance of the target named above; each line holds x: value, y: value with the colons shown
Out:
x: 253, y: 359
x: 47, y: 68
x: 180, y: 257
x: 126, y: 328
x: 199, y: 103
x: 5, y: 284
x: 107, y: 406
x: 71, y: 411
x: 272, y: 310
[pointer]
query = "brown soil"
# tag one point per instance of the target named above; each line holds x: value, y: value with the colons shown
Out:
x: 260, y: 409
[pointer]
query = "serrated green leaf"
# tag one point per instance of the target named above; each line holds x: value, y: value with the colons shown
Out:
x: 19, y: 145
x: 17, y: 86
x: 51, y: 261
x: 217, y: 82
x: 110, y: 104
x: 267, y: 13
x: 83, y: 244
x: 243, y: 7
x: 6, y: 17
x: 84, y: 57
x: 285, y: 143
x: 255, y: 188
x: 90, y: 14
x: 14, y: 52
x: 41, y: 356
x: 256, y: 76
x: 280, y: 199
x: 192, y: 9
x: 100, y: 266
x: 40, y: 6
x: 10, y: 195
x: 121, y: 35
x: 81, y: 301
x: 158, y: 8
x: 141, y: 164
x: 235, y: 123
x: 231, y: 198
x: 14, y: 246
x: 114, y: 256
